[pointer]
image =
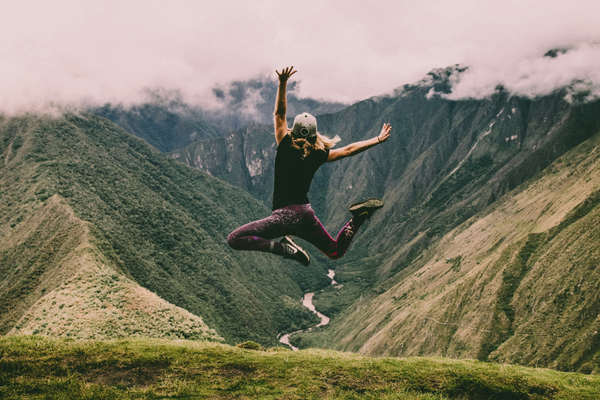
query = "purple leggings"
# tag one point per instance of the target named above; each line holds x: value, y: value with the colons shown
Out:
x: 296, y: 220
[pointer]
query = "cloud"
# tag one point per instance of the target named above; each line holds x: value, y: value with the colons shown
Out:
x: 73, y: 52
x: 576, y: 68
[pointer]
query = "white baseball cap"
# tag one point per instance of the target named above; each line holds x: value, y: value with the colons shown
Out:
x: 305, y: 126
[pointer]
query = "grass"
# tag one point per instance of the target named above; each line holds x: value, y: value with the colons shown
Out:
x: 34, y: 367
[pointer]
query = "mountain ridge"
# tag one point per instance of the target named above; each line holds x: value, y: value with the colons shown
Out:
x: 162, y: 223
x: 169, y: 123
x: 497, y: 258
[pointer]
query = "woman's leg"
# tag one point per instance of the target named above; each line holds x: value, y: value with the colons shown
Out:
x: 313, y: 231
x: 295, y: 220
x: 258, y: 235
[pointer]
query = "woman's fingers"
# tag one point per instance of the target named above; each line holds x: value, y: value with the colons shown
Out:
x: 385, y: 132
x: 286, y: 73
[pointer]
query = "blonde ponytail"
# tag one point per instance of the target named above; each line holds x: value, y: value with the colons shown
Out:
x: 324, y: 142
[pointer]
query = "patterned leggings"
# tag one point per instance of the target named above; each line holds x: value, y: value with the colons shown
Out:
x: 296, y: 220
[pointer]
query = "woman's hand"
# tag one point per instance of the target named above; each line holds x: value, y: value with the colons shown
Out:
x: 385, y: 133
x: 358, y: 147
x: 285, y: 74
x: 281, y: 104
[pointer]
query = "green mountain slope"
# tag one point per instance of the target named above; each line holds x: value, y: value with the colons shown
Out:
x: 517, y: 283
x: 158, y: 222
x: 445, y: 161
x: 244, y: 158
x: 58, y: 281
x: 165, y: 125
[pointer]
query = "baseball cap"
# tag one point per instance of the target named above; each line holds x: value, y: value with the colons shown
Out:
x: 305, y: 126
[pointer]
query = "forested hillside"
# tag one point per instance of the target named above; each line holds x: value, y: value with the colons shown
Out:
x: 165, y: 125
x: 83, y: 203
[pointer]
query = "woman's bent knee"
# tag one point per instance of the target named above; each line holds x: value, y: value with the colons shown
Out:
x: 333, y: 256
x: 231, y: 241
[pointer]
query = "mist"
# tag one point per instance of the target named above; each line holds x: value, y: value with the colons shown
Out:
x: 124, y: 52
x: 575, y: 68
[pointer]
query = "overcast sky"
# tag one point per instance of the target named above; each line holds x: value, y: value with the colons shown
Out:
x: 99, y: 51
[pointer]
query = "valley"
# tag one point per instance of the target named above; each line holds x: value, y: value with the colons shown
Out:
x: 153, y: 223
x: 485, y: 248
x: 448, y: 166
x: 307, y: 302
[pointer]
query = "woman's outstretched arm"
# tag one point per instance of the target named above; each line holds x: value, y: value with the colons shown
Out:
x: 281, y: 104
x: 359, y: 147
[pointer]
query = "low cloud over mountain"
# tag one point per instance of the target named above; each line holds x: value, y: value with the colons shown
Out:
x: 70, y: 52
x: 577, y: 68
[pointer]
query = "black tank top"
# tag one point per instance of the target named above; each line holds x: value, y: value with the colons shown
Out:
x: 294, y: 173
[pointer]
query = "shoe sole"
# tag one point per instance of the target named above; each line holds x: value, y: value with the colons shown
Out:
x: 367, y: 205
x: 288, y: 240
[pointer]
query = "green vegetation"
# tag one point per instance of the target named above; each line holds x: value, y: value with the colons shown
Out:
x: 354, y: 283
x: 503, y: 321
x: 33, y: 367
x: 164, y: 126
x: 577, y: 213
x: 520, y: 285
x: 153, y: 219
x: 469, y: 173
x: 99, y: 303
x: 250, y: 346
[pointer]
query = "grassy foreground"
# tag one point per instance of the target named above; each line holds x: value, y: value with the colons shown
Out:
x: 41, y: 368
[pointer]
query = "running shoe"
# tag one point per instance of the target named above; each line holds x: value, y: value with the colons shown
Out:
x: 294, y: 251
x: 366, y: 208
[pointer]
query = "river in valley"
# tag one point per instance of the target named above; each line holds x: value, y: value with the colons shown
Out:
x: 307, y: 302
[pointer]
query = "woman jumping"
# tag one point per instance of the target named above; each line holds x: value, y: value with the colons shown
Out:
x: 300, y: 152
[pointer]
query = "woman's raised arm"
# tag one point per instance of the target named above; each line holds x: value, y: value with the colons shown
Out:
x: 359, y: 147
x: 281, y: 103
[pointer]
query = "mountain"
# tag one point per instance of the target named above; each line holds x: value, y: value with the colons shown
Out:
x: 169, y: 123
x: 486, y: 248
x: 447, y: 165
x: 504, y: 139
x: 166, y: 125
x: 471, y: 155
x: 242, y: 102
x: 516, y: 283
x: 58, y: 281
x: 244, y: 158
x: 103, y: 236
